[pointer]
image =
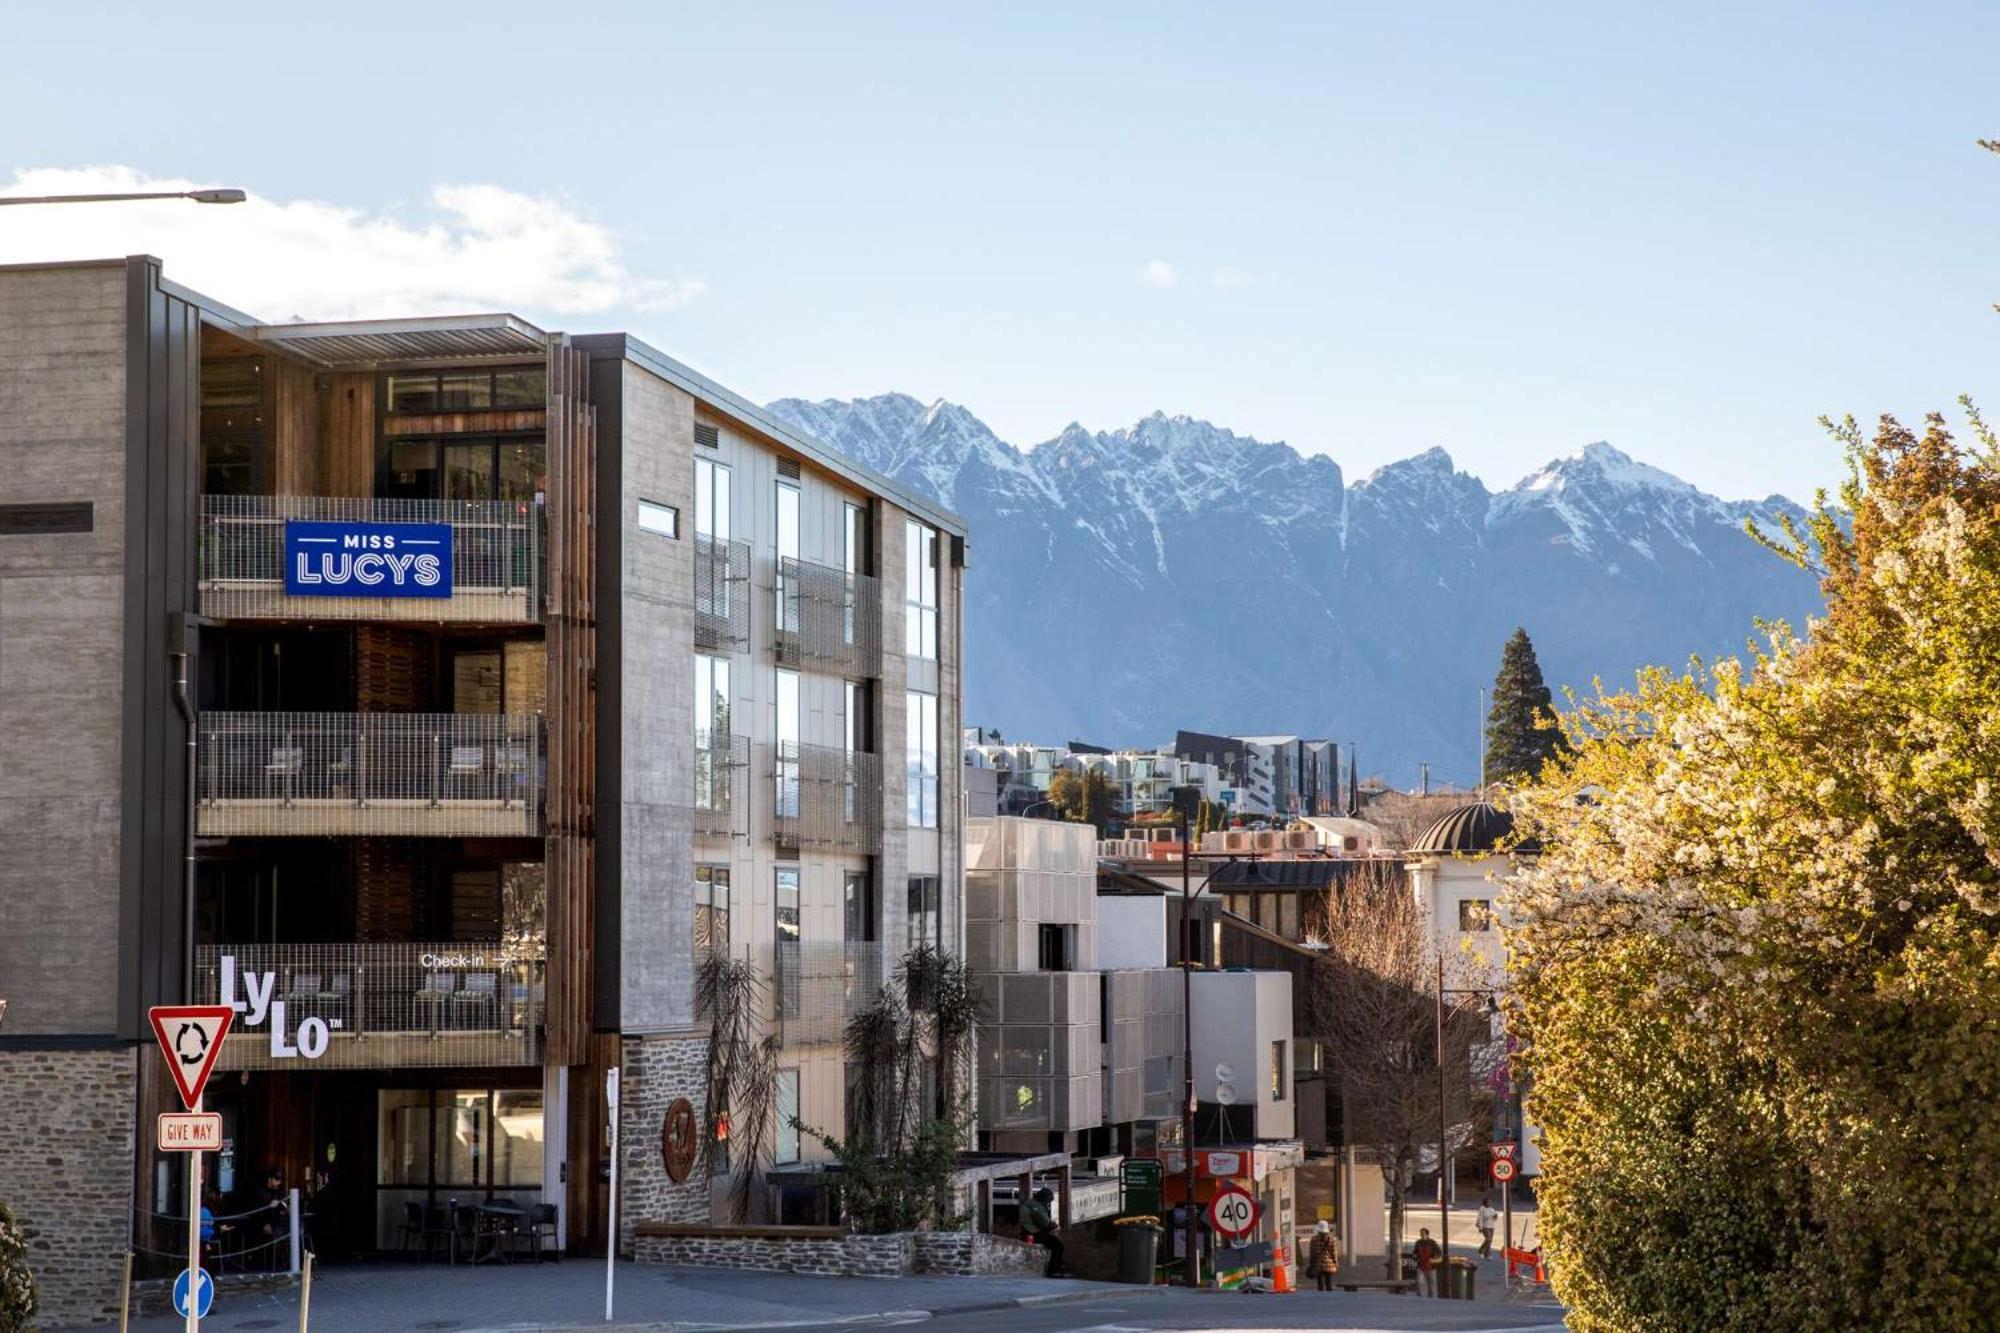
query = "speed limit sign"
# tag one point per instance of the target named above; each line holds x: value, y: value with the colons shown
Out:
x: 1503, y: 1169
x: 1232, y: 1212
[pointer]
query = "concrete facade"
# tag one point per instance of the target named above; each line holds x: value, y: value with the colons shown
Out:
x: 66, y: 1171
x: 1243, y: 1021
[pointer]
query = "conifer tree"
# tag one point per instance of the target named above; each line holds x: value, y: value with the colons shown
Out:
x: 1518, y: 735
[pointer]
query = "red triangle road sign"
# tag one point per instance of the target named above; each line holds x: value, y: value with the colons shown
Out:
x: 191, y: 1036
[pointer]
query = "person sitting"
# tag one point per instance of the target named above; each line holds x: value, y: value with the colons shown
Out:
x: 1040, y: 1225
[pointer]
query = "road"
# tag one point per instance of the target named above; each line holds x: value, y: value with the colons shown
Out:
x: 1163, y: 1308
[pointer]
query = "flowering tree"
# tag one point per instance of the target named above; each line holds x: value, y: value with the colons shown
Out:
x: 18, y: 1299
x: 1756, y: 965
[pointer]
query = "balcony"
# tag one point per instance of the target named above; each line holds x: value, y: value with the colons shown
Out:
x: 358, y: 774
x: 721, y: 594
x: 720, y: 763
x: 826, y: 797
x: 827, y: 619
x: 498, y: 553
x: 399, y: 1005
x: 818, y: 986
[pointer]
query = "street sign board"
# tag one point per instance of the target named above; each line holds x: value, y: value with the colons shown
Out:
x: 325, y: 558
x: 1139, y: 1180
x: 1243, y: 1256
x: 190, y: 1131
x: 204, y: 1292
x: 191, y: 1036
x: 1510, y: 1151
x: 1232, y: 1211
x: 1503, y: 1169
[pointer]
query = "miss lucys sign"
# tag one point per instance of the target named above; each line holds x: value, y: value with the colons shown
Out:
x: 341, y: 559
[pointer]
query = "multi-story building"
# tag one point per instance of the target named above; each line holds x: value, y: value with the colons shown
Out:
x: 441, y: 691
x: 1142, y: 781
x: 1287, y: 776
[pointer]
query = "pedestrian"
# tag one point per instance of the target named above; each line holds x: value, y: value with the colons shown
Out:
x: 1486, y: 1221
x: 1323, y: 1260
x: 1428, y: 1255
x: 1040, y: 1225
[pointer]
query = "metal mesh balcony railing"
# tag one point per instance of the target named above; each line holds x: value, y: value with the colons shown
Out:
x: 822, y: 796
x: 346, y: 774
x: 828, y: 618
x: 721, y: 764
x: 818, y: 986
x: 721, y: 593
x: 384, y: 1005
x: 497, y: 567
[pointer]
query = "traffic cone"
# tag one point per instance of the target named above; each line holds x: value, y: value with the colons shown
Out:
x: 1281, y: 1269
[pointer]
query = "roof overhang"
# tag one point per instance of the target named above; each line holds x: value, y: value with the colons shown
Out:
x: 386, y: 343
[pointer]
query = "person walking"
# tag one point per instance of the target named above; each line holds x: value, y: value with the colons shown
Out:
x: 1323, y: 1259
x: 1040, y: 1225
x: 1428, y: 1255
x: 1487, y: 1219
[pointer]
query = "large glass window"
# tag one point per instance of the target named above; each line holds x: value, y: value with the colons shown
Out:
x: 711, y: 499
x: 785, y: 923
x: 787, y: 1147
x: 232, y: 425
x: 788, y: 549
x: 711, y: 913
x: 858, y: 729
x: 853, y: 559
x: 435, y: 1146
x: 926, y: 918
x: 1277, y: 1071
x: 921, y: 758
x: 464, y: 467
x: 920, y: 589
x: 711, y: 732
x: 466, y: 390
x: 517, y: 1139
x: 786, y: 737
x: 785, y: 901
x: 858, y: 907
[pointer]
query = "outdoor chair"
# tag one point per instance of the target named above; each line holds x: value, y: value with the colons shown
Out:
x: 464, y: 1232
x: 336, y: 1003
x: 542, y: 1222
x: 432, y: 999
x: 281, y: 772
x: 476, y: 1003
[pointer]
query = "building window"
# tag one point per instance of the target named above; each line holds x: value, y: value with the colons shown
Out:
x: 921, y: 758
x: 467, y: 390
x: 464, y: 467
x: 1056, y: 947
x: 1475, y: 914
x: 858, y: 907
x: 1277, y: 1071
x: 711, y: 732
x: 788, y: 550
x: 787, y: 1148
x: 785, y: 901
x: 785, y: 933
x: 663, y: 519
x: 711, y: 499
x: 858, y: 727
x: 853, y: 559
x: 920, y: 590
x: 232, y: 425
x: 926, y: 920
x: 711, y: 913
x: 786, y: 736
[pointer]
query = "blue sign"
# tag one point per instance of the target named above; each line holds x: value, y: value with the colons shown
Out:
x: 337, y: 559
x: 204, y: 1287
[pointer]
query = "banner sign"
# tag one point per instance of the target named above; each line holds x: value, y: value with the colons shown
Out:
x: 325, y: 558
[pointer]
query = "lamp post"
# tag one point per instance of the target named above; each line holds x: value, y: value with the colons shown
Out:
x: 198, y: 196
x: 1188, y: 1104
x: 1444, y: 1150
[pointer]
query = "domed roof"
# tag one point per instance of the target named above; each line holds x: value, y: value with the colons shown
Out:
x: 1477, y: 829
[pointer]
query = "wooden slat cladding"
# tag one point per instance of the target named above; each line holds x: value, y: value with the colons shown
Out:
x: 572, y: 704
x: 385, y: 890
x: 489, y: 422
x: 392, y: 669
x: 347, y: 432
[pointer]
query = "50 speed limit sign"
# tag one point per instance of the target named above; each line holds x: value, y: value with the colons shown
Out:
x: 1232, y: 1212
x: 1503, y: 1169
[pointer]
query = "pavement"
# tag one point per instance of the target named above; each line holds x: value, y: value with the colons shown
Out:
x: 388, y: 1298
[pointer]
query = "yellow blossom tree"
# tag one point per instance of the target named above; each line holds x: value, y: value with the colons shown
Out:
x: 1756, y: 965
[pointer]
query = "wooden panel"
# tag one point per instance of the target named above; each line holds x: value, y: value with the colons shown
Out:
x: 392, y: 670
x: 292, y: 427
x: 385, y: 890
x: 572, y: 706
x: 589, y: 1150
x: 347, y: 433
x: 493, y: 422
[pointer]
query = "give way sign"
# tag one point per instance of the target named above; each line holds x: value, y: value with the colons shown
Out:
x: 191, y: 1037
x: 1232, y: 1211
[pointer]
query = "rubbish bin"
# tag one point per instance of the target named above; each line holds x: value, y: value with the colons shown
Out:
x: 1138, y: 1252
x: 1458, y: 1277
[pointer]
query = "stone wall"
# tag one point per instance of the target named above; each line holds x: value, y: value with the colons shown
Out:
x: 654, y: 1071
x: 954, y: 1253
x: 66, y: 1171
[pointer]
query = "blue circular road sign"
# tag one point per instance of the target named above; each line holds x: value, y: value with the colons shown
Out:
x: 204, y: 1286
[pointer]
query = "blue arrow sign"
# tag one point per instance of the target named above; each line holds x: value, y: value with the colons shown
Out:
x: 205, y: 1292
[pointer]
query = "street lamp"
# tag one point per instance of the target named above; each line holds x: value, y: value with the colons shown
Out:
x: 1444, y: 1153
x: 198, y: 196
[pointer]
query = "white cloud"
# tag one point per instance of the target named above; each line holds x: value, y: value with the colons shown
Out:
x: 1229, y: 278
x: 468, y: 248
x: 1157, y: 273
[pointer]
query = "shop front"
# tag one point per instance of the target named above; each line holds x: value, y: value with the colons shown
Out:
x: 1265, y: 1171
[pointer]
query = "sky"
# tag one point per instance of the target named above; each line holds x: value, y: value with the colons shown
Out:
x: 1688, y: 230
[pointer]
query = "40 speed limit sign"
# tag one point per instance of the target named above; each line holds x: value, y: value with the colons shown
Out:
x: 1232, y: 1212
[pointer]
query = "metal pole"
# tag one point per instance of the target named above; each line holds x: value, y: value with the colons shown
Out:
x: 292, y: 1212
x: 194, y: 1237
x: 1444, y: 1170
x: 1188, y: 1103
x: 611, y: 1241
x: 125, y: 1294
x: 305, y: 1292
x: 199, y: 196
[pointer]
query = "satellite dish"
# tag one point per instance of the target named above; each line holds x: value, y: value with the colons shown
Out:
x: 1224, y: 1074
x: 1225, y: 1093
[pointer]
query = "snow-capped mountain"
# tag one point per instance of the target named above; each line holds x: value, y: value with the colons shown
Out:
x: 1175, y: 574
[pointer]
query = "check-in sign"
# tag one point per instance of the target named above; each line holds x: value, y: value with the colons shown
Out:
x: 338, y: 559
x: 190, y: 1131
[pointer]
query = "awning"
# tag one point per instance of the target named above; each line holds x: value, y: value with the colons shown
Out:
x: 371, y: 344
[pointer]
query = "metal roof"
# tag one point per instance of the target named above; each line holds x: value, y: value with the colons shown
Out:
x: 1478, y: 829
x: 363, y: 344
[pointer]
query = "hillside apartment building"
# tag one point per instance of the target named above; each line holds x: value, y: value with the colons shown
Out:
x: 453, y: 686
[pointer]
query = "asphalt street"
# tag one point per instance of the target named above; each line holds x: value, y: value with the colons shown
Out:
x: 1162, y: 1308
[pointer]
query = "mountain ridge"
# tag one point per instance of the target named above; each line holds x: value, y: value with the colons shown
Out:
x: 1173, y: 573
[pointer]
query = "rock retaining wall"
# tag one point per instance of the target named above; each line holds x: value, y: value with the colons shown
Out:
x: 958, y: 1253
